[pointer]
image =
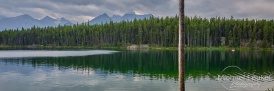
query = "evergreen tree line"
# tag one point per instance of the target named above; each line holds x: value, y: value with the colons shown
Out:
x: 154, y: 31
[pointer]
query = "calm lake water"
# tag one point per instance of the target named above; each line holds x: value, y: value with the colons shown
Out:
x: 109, y: 70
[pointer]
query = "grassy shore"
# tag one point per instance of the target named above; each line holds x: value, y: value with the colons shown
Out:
x: 211, y: 48
x: 121, y: 47
x: 56, y: 47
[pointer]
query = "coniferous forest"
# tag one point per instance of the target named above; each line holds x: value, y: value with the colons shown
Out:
x: 161, y: 32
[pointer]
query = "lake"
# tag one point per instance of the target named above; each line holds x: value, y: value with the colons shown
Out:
x: 144, y: 70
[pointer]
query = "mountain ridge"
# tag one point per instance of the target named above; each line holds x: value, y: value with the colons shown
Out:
x: 2, y: 17
x: 27, y: 21
x: 104, y: 18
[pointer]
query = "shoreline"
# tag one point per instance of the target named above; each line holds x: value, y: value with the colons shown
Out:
x: 4, y: 47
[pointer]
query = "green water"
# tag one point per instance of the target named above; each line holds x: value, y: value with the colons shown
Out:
x: 102, y: 70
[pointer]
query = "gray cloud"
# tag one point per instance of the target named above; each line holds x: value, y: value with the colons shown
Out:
x: 84, y: 10
x: 256, y: 9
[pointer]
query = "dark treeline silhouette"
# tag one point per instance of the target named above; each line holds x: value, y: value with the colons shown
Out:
x: 161, y: 32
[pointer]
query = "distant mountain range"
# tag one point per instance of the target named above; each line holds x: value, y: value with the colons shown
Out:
x: 104, y: 18
x: 1, y: 17
x: 26, y: 21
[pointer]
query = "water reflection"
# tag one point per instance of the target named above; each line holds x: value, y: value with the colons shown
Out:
x: 154, y: 63
x: 202, y: 67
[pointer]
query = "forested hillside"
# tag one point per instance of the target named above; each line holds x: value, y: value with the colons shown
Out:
x: 161, y: 32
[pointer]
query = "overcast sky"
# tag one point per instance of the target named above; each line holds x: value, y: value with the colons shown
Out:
x: 84, y: 10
